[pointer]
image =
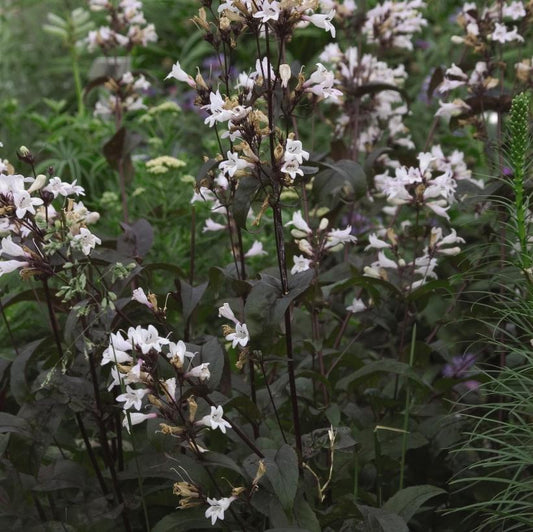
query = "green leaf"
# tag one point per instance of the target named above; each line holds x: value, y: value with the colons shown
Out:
x: 409, y: 500
x: 266, y: 304
x: 282, y: 472
x: 344, y: 180
x: 185, y: 520
x: 287, y: 529
x: 380, y: 520
x: 18, y: 384
x: 190, y: 297
x: 385, y: 365
x: 244, y: 195
x: 305, y: 516
x: 11, y: 423
x: 213, y: 353
x: 137, y: 239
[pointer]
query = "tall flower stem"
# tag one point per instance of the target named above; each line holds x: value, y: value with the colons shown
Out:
x: 282, y: 263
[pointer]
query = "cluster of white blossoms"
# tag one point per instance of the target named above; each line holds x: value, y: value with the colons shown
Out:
x: 134, y: 358
x: 380, y: 114
x: 418, y: 186
x: 32, y: 228
x: 315, y: 244
x: 237, y: 335
x: 496, y: 23
x: 392, y: 24
x: 431, y: 185
x: 484, y: 28
x: 126, y: 94
x: 126, y: 27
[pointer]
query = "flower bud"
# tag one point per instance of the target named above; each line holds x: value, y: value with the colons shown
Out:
x: 305, y: 247
x: 324, y: 222
x: 39, y: 183
x: 284, y: 74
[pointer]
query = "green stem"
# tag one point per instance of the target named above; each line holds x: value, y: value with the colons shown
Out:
x: 77, y: 81
x: 406, y: 410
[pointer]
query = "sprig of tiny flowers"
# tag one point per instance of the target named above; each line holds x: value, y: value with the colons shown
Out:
x: 39, y: 217
x: 127, y: 26
x: 419, y: 188
x: 316, y: 244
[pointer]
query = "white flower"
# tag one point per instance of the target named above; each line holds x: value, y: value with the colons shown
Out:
x: 270, y: 11
x: 86, y: 240
x: 179, y: 350
x: 217, y: 507
x: 25, y: 203
x: 136, y: 418
x: 449, y: 109
x: 10, y: 248
x: 323, y: 21
x: 170, y: 387
x: 240, y: 336
x: 301, y: 264
x: 294, y: 150
x: 180, y: 75
x: 501, y: 34
x: 256, y: 250
x: 211, y: 225
x: 215, y: 420
x: 339, y: 236
x: 514, y: 11
x: 358, y: 305
x: 284, y: 74
x: 132, y: 398
x: 301, y: 229
x: 117, y: 352
x: 139, y: 296
x: 292, y: 168
x: 216, y: 109
x: 201, y: 372
x: 376, y: 243
x: 146, y: 339
x: 8, y: 266
x: 225, y: 312
x: 233, y: 164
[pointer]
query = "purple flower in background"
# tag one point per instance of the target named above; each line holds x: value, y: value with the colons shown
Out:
x: 459, y: 367
x: 422, y: 44
x: 360, y: 224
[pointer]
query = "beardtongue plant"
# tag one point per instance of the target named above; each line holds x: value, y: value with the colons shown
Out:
x: 315, y: 402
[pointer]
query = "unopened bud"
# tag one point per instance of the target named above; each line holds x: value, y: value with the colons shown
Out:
x: 284, y: 74
x: 39, y: 183
x: 305, y: 247
x: 24, y: 152
x: 324, y: 222
x: 193, y: 407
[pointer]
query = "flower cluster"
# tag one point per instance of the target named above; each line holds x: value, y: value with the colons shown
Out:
x: 393, y: 24
x: 379, y: 114
x: 126, y: 27
x: 315, y: 244
x: 489, y: 25
x: 135, y: 360
x: 33, y: 229
x: 431, y: 185
x: 125, y: 95
x: 237, y: 335
x: 418, y: 186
